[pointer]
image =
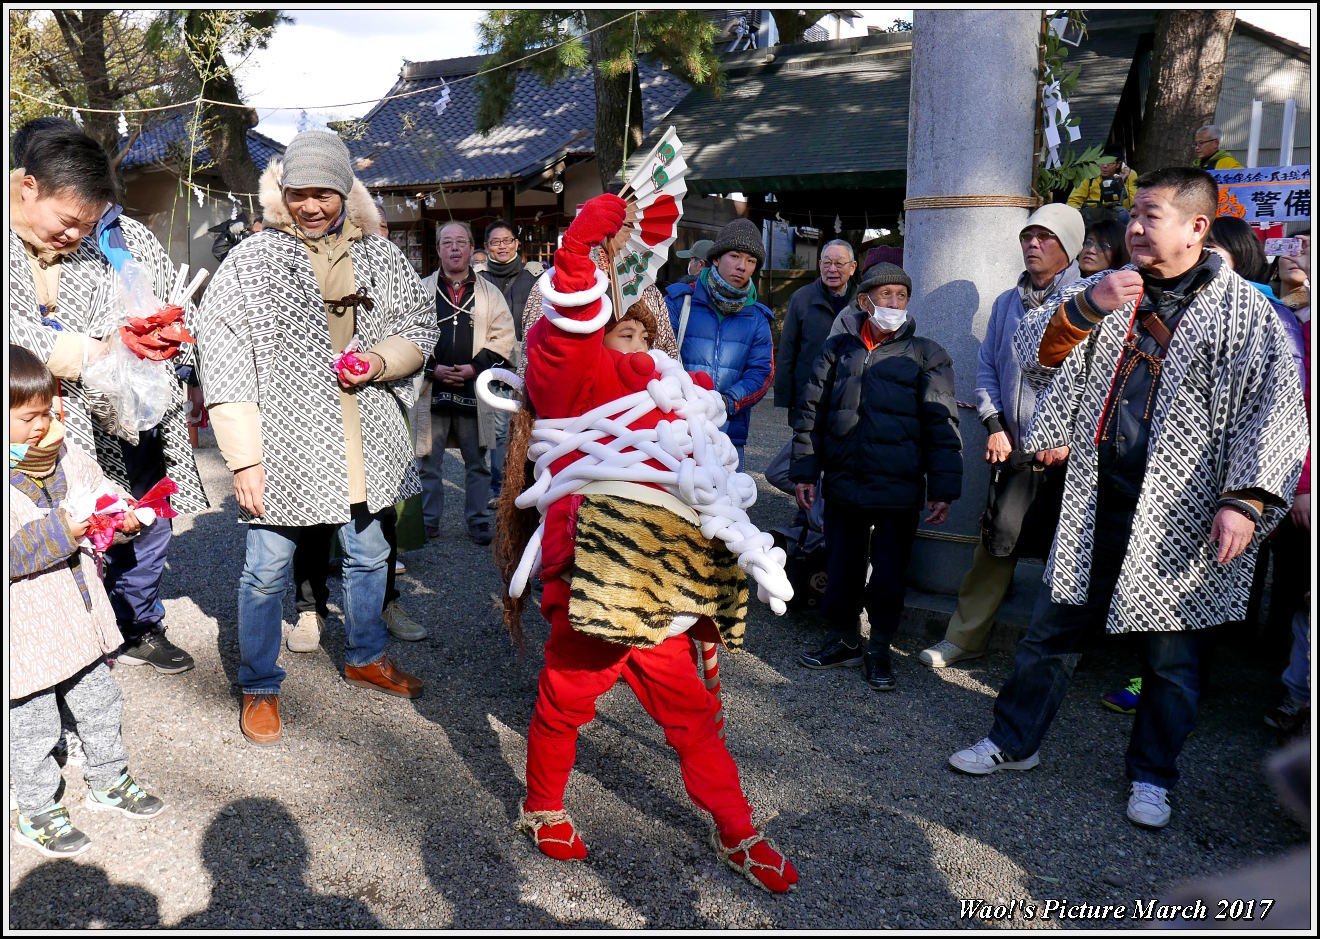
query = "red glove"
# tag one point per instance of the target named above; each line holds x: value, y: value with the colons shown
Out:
x: 703, y: 380
x: 600, y: 218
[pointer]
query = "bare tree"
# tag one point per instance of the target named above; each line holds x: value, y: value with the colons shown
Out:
x: 1187, y: 71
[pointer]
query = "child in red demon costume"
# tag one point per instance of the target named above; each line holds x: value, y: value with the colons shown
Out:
x: 626, y: 568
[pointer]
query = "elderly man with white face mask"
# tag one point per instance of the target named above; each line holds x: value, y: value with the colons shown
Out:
x: 879, y: 419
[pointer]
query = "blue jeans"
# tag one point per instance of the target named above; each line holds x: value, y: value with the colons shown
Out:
x: 261, y: 596
x: 1297, y: 676
x: 1044, y: 662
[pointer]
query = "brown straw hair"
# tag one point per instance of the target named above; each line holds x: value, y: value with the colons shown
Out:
x: 514, y: 526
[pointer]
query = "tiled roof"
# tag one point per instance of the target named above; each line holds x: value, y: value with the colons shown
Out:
x: 834, y: 114
x: 167, y: 140
x: 407, y: 144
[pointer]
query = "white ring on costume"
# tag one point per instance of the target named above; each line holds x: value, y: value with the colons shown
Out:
x: 497, y: 401
x: 550, y: 297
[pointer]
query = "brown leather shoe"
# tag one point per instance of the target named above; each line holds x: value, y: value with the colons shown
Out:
x: 260, y: 720
x: 383, y: 675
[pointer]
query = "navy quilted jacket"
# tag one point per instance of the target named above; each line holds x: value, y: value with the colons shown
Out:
x: 881, y: 425
x: 736, y: 351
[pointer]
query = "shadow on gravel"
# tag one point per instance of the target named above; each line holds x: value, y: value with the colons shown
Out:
x: 68, y: 895
x: 204, y: 567
x: 263, y: 885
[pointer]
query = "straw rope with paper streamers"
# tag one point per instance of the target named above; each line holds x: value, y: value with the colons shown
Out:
x: 655, y: 204
x: 700, y: 465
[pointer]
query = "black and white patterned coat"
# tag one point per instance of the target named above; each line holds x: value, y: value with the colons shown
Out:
x: 1227, y: 416
x: 263, y: 337
x: 88, y: 304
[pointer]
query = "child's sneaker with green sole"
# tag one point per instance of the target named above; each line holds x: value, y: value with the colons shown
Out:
x: 50, y: 832
x: 126, y: 796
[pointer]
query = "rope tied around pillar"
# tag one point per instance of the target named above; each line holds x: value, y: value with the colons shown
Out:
x: 970, y: 202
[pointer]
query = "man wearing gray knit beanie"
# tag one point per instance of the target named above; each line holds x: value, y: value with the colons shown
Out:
x: 722, y: 330
x: 314, y: 436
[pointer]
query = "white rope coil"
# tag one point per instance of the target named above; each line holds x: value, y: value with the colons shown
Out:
x: 699, y: 467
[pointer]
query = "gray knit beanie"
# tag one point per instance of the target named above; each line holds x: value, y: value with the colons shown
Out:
x: 738, y: 235
x: 881, y: 273
x: 318, y: 159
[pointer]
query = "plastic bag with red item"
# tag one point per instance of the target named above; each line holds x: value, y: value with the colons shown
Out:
x: 134, y: 374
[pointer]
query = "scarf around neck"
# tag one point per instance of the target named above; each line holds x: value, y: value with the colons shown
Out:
x: 39, y: 461
x: 727, y: 298
x: 506, y: 268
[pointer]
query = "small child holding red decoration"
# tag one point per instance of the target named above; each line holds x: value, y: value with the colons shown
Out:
x: 61, y: 626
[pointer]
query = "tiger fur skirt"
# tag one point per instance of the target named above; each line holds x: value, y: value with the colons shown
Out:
x: 638, y: 566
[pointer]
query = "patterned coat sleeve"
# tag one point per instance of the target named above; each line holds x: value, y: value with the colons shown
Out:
x: 39, y: 545
x: 224, y: 342
x: 25, y: 326
x: 411, y: 316
x: 1267, y: 437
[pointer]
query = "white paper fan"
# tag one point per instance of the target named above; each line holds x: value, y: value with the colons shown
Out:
x: 655, y: 199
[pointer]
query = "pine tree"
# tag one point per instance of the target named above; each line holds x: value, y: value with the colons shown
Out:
x: 610, y: 42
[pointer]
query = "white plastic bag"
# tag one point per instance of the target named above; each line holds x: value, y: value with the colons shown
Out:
x: 139, y: 390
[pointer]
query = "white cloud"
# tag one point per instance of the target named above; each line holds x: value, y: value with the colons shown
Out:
x: 333, y: 57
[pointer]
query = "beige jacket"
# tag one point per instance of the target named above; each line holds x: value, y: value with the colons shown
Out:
x: 52, y: 635
x: 492, y: 328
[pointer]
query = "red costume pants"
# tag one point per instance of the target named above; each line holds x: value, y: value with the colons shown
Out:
x: 579, y: 669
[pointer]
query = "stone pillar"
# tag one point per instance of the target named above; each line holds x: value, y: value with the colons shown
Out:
x: 971, y: 125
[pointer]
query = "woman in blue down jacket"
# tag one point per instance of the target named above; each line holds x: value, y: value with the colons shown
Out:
x: 879, y: 419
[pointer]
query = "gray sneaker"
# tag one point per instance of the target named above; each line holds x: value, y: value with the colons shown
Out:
x: 126, y: 797
x: 51, y: 833
x: 944, y: 653
x: 306, y: 633
x: 401, y: 625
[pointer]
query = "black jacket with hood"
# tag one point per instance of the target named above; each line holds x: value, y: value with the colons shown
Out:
x: 881, y: 425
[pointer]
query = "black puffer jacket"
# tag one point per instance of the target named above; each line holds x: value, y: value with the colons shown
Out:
x: 881, y: 425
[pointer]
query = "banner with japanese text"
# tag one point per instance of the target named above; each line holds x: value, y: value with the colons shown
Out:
x: 1265, y: 194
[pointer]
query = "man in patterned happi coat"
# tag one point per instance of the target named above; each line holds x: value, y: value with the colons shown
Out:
x: 308, y: 445
x: 1172, y: 382
x: 67, y: 242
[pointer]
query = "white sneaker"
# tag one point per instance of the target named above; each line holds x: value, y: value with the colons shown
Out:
x: 399, y: 566
x: 1148, y: 805
x: 984, y: 758
x: 401, y: 625
x: 306, y: 634
x: 945, y: 653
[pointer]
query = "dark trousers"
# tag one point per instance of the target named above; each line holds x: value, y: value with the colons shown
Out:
x: 1044, y: 662
x: 311, y: 564
x: 851, y: 534
x: 134, y: 570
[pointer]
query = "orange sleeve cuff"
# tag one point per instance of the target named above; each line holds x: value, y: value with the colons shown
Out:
x: 1060, y: 338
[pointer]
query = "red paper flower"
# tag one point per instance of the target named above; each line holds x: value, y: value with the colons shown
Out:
x: 157, y: 336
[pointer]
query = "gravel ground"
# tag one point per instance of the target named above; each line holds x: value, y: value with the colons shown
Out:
x: 377, y: 811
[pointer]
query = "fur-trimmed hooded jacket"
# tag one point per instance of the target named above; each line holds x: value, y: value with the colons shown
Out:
x: 264, y: 340
x: 87, y: 304
x: 1227, y: 417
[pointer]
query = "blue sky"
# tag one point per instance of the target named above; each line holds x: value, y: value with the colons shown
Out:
x: 335, y: 57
